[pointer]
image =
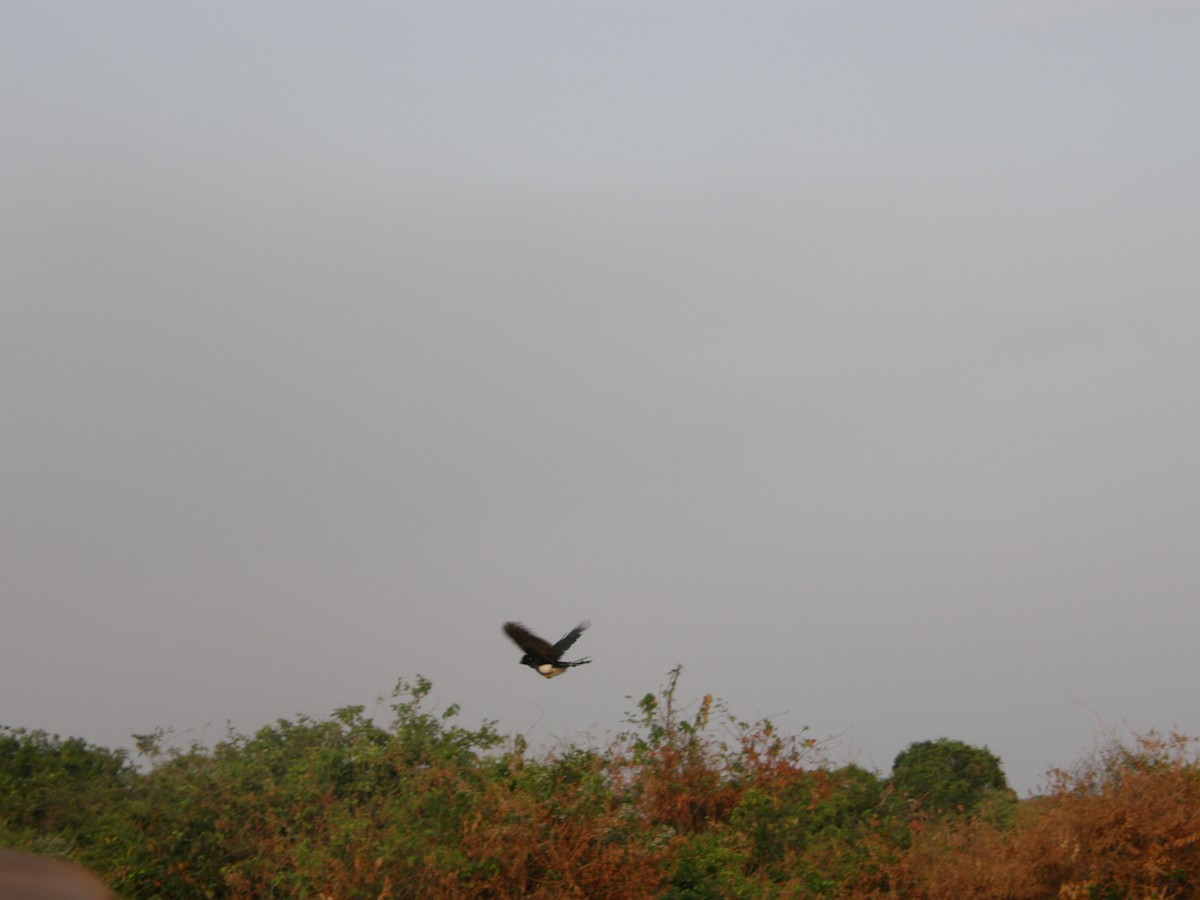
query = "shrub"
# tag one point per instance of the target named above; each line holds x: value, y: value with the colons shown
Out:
x: 689, y: 802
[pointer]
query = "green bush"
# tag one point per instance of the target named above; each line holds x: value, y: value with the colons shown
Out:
x: 62, y: 796
x: 945, y: 776
x: 690, y: 802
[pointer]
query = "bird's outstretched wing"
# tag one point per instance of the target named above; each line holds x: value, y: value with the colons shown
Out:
x: 565, y: 642
x: 531, y: 643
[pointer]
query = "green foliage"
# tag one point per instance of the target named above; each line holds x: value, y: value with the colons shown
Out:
x: 316, y: 805
x: 57, y: 795
x: 710, y: 865
x: 689, y: 802
x: 946, y: 776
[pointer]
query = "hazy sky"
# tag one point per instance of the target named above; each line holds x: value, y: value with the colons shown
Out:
x: 845, y: 353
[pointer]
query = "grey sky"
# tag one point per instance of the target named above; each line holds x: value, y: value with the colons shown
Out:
x: 842, y: 352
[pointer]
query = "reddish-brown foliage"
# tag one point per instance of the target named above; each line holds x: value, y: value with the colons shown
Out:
x: 1125, y: 825
x: 697, y: 805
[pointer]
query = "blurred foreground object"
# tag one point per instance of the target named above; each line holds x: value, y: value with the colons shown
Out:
x: 24, y: 876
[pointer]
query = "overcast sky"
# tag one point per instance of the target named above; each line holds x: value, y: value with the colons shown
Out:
x: 845, y: 353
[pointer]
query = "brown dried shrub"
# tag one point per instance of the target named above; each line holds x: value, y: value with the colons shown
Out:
x: 1125, y: 824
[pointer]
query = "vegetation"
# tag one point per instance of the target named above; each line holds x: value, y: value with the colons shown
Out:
x: 686, y: 803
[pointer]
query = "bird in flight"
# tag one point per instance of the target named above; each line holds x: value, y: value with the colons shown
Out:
x: 542, y: 655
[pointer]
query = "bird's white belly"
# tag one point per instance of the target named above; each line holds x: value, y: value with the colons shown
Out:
x: 550, y: 670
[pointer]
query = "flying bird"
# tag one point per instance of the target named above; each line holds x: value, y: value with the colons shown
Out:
x: 542, y: 655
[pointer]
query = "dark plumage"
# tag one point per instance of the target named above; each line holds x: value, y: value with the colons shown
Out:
x: 544, y: 657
